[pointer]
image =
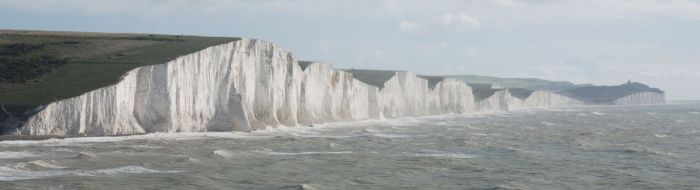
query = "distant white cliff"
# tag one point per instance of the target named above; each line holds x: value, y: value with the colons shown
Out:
x: 496, y: 102
x: 642, y: 98
x: 248, y: 85
x: 542, y: 99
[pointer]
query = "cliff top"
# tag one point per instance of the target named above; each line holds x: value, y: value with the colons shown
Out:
x: 37, y: 67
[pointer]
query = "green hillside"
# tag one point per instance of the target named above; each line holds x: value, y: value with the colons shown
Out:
x: 38, y: 67
x: 607, y: 94
x: 525, y: 83
x: 372, y: 77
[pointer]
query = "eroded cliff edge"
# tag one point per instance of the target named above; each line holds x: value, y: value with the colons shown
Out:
x: 249, y: 85
x: 244, y: 85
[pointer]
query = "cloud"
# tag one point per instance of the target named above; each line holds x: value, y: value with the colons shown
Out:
x: 413, y: 9
x: 379, y: 52
x: 405, y: 25
x: 341, y: 8
x: 379, y: 56
x: 489, y: 37
x: 666, y: 74
x: 545, y: 10
x: 324, y: 46
x: 392, y: 4
x: 472, y: 51
x: 459, y: 21
x: 646, y: 47
x: 453, y: 22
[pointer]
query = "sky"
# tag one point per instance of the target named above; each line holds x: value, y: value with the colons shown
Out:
x: 602, y: 42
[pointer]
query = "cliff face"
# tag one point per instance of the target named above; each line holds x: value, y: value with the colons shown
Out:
x: 643, y: 98
x: 541, y: 99
x: 241, y: 86
x: 406, y: 94
x: 495, y: 102
x: 197, y: 92
x: 250, y: 85
x: 328, y: 95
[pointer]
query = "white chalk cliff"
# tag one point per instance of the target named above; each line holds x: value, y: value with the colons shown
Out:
x: 495, y: 102
x: 244, y: 85
x: 642, y: 98
x: 542, y: 99
x: 249, y: 85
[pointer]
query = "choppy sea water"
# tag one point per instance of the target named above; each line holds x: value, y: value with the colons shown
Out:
x: 607, y: 147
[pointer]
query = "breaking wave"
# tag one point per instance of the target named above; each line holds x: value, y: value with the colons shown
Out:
x: 16, y: 155
x: 14, y: 174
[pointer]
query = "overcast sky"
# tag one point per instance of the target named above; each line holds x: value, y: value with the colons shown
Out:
x: 603, y: 42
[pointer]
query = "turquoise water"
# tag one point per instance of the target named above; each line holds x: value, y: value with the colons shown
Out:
x: 606, y: 147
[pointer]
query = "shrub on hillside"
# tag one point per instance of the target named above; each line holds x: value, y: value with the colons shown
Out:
x: 22, y: 62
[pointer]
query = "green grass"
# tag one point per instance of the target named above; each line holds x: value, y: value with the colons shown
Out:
x: 20, y: 62
x: 94, y: 60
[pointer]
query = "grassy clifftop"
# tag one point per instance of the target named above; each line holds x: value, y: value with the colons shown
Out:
x: 38, y: 67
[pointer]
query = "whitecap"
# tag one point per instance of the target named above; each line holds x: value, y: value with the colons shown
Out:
x: 597, y: 113
x: 325, y: 136
x: 483, y: 134
x: 16, y: 155
x: 85, y: 155
x: 449, y: 155
x: 442, y: 123
x: 85, y: 141
x: 391, y: 136
x: 223, y: 153
x: 368, y: 130
x: 13, y: 174
x: 122, y: 170
x: 193, y: 160
x: 301, y: 153
x: 472, y: 127
x: 547, y: 123
x: 660, y: 136
x: 39, y: 164
x: 309, y: 187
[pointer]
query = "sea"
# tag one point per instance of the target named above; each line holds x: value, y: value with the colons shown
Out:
x: 598, y: 147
